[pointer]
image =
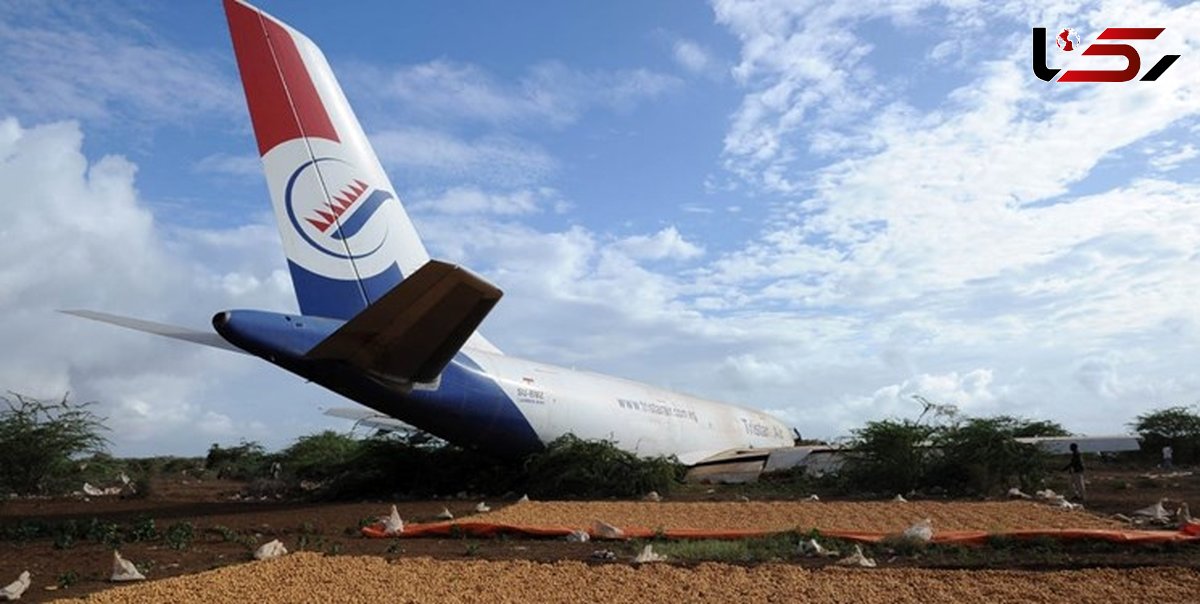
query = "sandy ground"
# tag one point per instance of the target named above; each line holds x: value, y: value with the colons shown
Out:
x: 308, y: 577
x: 333, y: 529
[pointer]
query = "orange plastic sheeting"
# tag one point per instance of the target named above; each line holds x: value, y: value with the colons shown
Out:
x: 1190, y: 532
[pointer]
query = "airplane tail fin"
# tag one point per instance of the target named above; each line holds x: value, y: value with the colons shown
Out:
x: 347, y: 238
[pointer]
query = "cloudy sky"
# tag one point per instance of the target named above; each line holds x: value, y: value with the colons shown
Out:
x: 818, y: 209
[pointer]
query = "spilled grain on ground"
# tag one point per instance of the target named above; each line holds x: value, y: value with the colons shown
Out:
x: 308, y: 577
x: 866, y: 516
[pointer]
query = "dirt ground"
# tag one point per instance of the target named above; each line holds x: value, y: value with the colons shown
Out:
x: 227, y: 529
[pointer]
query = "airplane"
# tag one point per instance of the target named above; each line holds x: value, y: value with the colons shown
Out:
x: 383, y: 324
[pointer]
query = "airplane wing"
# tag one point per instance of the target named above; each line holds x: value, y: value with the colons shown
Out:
x: 206, y: 338
x: 415, y: 329
x: 1061, y: 445
x: 371, y: 419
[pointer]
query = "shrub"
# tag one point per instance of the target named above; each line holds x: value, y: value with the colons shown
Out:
x: 982, y: 456
x: 319, y: 457
x: 969, y: 455
x: 573, y: 467
x: 1177, y: 426
x: 889, y: 456
x: 40, y: 442
x: 242, y: 462
x: 179, y: 535
x: 391, y: 464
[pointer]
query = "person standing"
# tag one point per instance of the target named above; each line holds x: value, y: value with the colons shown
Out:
x: 1168, y: 453
x: 1075, y: 469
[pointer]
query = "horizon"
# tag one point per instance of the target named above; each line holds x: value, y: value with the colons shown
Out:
x: 818, y: 211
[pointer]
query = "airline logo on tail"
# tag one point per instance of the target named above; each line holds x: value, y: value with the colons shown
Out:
x: 336, y: 219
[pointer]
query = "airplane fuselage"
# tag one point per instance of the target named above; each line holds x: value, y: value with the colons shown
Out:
x: 510, y: 406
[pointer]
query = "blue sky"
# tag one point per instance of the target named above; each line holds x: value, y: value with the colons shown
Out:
x: 811, y: 208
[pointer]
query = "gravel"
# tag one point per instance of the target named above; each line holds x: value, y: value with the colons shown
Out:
x: 867, y: 516
x: 309, y: 577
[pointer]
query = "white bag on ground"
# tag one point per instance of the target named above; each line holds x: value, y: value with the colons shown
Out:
x: 604, y: 530
x: 13, y: 590
x: 1153, y: 512
x: 812, y: 548
x: 523, y: 499
x: 271, y: 550
x: 648, y: 555
x: 392, y: 523
x: 578, y: 537
x: 652, y: 496
x: 857, y: 559
x: 445, y: 515
x: 921, y: 531
x: 899, y: 499
x: 1015, y: 493
x: 482, y: 508
x: 124, y: 570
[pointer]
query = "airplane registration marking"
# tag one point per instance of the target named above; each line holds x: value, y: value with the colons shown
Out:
x: 657, y: 409
x: 531, y: 396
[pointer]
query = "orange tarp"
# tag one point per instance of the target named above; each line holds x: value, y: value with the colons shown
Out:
x: 1190, y: 532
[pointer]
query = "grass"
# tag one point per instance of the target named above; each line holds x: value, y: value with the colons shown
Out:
x: 179, y: 535
x: 761, y: 549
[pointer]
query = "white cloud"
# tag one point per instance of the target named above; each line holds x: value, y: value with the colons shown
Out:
x: 692, y: 56
x: 549, y: 93
x: 78, y: 236
x: 90, y: 63
x: 1174, y: 156
x: 665, y: 244
x: 473, y: 200
x: 494, y: 160
x: 242, y: 166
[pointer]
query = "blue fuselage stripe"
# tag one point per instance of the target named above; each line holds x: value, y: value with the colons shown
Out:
x: 337, y: 298
x: 467, y: 408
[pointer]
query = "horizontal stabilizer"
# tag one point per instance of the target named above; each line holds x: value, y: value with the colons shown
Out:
x: 207, y: 338
x: 415, y: 329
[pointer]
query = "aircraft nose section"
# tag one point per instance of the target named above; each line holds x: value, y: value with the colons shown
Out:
x: 220, y: 320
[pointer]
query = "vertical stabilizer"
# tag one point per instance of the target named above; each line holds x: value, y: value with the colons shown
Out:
x: 347, y: 238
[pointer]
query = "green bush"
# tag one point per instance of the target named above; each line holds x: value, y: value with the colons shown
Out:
x: 981, y: 456
x: 179, y: 536
x: 41, y: 441
x: 319, y: 457
x: 245, y: 461
x: 1176, y: 426
x: 978, y: 456
x: 395, y: 464
x: 889, y: 456
x: 571, y: 467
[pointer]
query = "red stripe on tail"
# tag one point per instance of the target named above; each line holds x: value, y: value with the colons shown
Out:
x: 267, y: 93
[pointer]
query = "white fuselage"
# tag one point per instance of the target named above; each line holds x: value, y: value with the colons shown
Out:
x: 636, y: 417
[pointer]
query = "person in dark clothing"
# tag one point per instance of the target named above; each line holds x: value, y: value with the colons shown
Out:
x: 1075, y: 467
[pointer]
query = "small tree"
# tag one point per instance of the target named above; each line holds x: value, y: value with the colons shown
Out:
x: 981, y: 455
x: 889, y: 456
x: 1176, y: 426
x: 40, y: 442
x: 319, y: 456
x: 246, y: 461
x: 573, y: 467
